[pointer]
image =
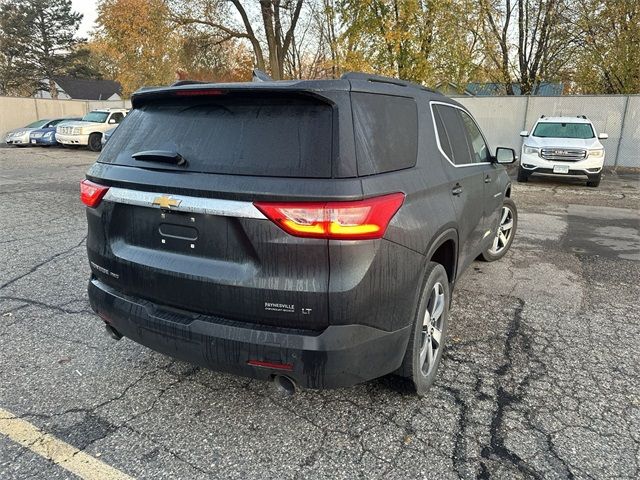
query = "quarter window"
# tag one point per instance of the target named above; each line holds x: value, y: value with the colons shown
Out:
x: 478, y: 148
x: 445, y: 144
x: 386, y: 132
x: 455, y: 132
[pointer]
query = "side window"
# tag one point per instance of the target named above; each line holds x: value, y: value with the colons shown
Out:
x: 479, y: 150
x: 117, y: 116
x: 455, y: 132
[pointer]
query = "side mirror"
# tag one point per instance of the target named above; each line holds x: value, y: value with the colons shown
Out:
x: 524, y: 133
x: 505, y: 155
x: 603, y: 136
x: 112, y: 121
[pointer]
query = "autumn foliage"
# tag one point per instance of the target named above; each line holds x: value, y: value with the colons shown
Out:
x: 589, y: 45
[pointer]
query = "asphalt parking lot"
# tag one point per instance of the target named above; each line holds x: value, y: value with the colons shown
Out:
x: 541, y: 377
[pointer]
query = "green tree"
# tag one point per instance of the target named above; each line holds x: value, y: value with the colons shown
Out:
x: 16, y: 77
x: 135, y: 43
x: 40, y: 35
x: 427, y: 41
x: 608, y: 60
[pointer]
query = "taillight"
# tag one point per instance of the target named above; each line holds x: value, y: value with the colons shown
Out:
x: 91, y: 193
x: 358, y: 220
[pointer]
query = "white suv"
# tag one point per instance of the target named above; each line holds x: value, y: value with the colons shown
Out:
x: 563, y: 146
x: 89, y: 130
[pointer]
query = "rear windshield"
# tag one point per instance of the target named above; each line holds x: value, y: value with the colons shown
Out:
x: 279, y: 136
x: 563, y: 130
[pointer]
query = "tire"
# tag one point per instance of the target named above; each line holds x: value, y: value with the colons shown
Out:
x: 594, y: 181
x: 95, y: 142
x: 499, y: 246
x: 523, y: 175
x: 435, y: 297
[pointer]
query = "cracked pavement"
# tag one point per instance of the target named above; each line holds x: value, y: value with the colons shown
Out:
x: 541, y: 376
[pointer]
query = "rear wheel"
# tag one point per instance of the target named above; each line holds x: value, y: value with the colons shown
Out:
x: 506, y: 231
x: 523, y: 175
x: 594, y: 180
x: 95, y: 142
x: 426, y: 344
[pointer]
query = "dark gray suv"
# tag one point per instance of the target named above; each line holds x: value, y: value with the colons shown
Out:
x: 307, y: 232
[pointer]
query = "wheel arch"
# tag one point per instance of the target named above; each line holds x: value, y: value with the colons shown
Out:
x: 444, y: 250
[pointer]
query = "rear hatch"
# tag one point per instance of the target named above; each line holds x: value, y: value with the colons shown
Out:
x: 178, y: 225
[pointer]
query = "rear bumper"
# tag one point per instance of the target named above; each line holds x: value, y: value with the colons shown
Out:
x: 340, y: 355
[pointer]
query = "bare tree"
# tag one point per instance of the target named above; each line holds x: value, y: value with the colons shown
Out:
x: 536, y: 30
x: 279, y: 19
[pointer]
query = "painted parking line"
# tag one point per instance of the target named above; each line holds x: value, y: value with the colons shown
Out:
x: 59, y: 452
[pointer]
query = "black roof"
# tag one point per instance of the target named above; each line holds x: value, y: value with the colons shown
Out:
x: 88, y: 89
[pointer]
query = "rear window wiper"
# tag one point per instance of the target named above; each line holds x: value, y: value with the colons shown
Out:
x: 162, y: 156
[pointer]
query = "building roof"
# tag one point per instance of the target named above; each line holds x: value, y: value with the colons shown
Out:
x: 452, y: 88
x: 88, y: 89
x: 487, y: 89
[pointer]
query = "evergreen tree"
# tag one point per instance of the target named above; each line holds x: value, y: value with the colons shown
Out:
x: 41, y: 34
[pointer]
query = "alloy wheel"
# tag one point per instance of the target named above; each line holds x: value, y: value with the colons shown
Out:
x: 505, y: 229
x: 432, y: 325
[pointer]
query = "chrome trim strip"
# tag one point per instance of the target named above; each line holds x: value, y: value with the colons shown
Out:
x: 435, y: 129
x: 208, y: 206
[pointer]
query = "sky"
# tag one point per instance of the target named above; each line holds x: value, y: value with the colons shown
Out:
x: 88, y: 10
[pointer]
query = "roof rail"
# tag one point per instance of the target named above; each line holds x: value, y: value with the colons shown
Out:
x: 369, y: 77
x: 179, y: 83
x: 582, y: 116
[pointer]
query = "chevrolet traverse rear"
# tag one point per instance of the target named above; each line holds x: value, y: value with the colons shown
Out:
x: 305, y: 231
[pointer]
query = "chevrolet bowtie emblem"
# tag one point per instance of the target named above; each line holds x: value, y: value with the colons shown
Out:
x: 166, y: 202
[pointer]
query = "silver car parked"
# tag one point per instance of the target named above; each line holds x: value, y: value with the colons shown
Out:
x: 20, y: 136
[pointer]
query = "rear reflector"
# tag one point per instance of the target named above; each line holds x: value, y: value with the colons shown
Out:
x: 275, y: 366
x: 91, y: 193
x: 359, y: 220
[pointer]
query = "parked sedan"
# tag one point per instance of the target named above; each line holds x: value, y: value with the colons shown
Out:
x: 46, y: 135
x: 20, y: 136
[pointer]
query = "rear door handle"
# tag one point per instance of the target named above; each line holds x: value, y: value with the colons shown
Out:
x: 487, y: 179
x: 457, y: 190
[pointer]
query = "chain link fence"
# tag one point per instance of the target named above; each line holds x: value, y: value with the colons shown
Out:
x: 502, y: 119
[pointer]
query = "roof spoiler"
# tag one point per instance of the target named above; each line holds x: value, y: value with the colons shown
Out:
x: 260, y: 76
